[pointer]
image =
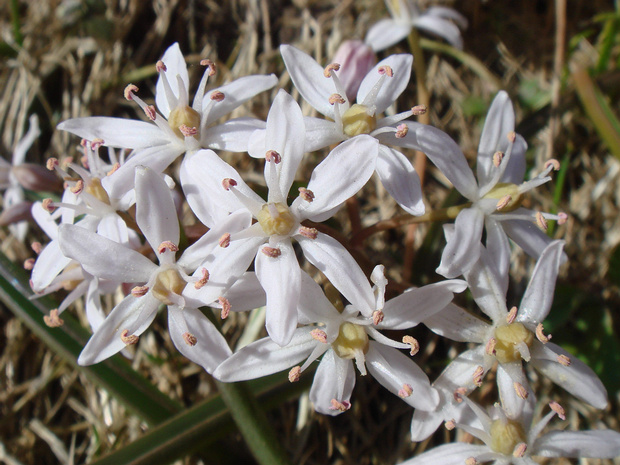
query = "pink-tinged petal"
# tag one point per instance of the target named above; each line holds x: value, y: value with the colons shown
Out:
x: 387, y: 32
x: 440, y: 27
x: 400, y: 180
x: 49, y: 264
x: 334, y: 379
x: 116, y: 132
x: 210, y: 348
x: 104, y: 258
x: 232, y: 135
x: 500, y: 121
x: 238, y: 92
x: 340, y: 176
x: 134, y: 314
x: 498, y: 251
x: 601, y: 444
x: 157, y: 158
x: 443, y: 152
x: 246, y: 294
x: 281, y: 278
x: 448, y: 454
x: 265, y: 357
x: 393, y: 370
x: 308, y: 78
x: 528, y: 236
x: 463, y: 249
x: 321, y: 132
x: 175, y: 65
x: 392, y: 86
x: 416, y: 305
x: 314, y: 306
x: 577, y: 378
x: 457, y: 324
x: 156, y: 214
x: 341, y: 269
x: 538, y: 296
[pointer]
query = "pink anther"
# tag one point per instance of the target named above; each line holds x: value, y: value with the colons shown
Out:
x: 310, y: 233
x: 48, y: 205
x: 190, y: 339
x: 167, y: 245
x: 497, y: 158
x: 562, y: 218
x: 336, y: 98
x: 129, y: 90
x: 512, y: 315
x: 188, y: 131
x: 210, y: 64
x: 29, y: 264
x: 294, y: 374
x: 557, y: 408
x: 160, y: 66
x: 387, y: 70
x: 52, y: 163
x: 139, y: 291
x: 225, y: 303
x: 224, y: 240
x: 541, y: 222
x: 413, y: 342
x: 401, y: 130
x: 227, y: 183
x: 272, y: 252
x: 150, y: 112
x: 204, y: 279
x: 341, y: 406
x: 552, y: 162
x: 78, y: 187
x: 306, y: 194
x: 540, y: 335
x: 273, y: 155
x: 115, y: 167
x: 217, y: 96
x: 377, y: 317
x: 319, y: 335
x: 129, y: 339
x: 53, y: 320
x: 405, y: 391
x: 327, y: 72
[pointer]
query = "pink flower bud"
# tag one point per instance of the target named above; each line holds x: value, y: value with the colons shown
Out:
x: 356, y: 60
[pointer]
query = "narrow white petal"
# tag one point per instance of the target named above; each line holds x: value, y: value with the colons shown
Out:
x: 400, y: 179
x: 387, y: 32
x: 334, y: 379
x: 455, y: 323
x: 321, y: 132
x: 232, y: 135
x: 601, y: 444
x: 175, y: 64
x: 440, y: 27
x: 463, y: 249
x: 314, y: 306
x: 512, y: 403
x: 49, y: 264
x: 392, y: 86
x: 448, y: 454
x: 460, y: 371
x: 246, y: 294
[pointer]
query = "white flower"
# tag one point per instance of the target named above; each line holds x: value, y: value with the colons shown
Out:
x: 177, y: 128
x: 213, y: 189
x: 510, y: 338
x: 343, y: 338
x: 515, y: 440
x: 346, y: 120
x: 192, y: 333
x: 441, y: 21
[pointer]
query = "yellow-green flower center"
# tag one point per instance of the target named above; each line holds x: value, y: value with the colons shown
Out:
x: 508, y: 338
x: 184, y: 115
x: 168, y: 282
x: 275, y: 218
x: 505, y: 435
x: 356, y: 121
x: 95, y: 189
x: 351, y: 340
x: 503, y: 189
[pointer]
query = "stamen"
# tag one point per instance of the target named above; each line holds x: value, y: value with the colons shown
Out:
x: 167, y: 245
x: 217, y: 96
x: 520, y: 450
x: 405, y: 391
x: 512, y: 314
x: 419, y: 110
x: 557, y: 408
x: 450, y: 425
x: 187, y: 131
x: 139, y: 291
x: 78, y: 188
x: 210, y: 65
x: 563, y: 360
x: 189, y: 339
x: 459, y: 393
x: 227, y: 183
x: 520, y: 390
x: 336, y: 98
x: 554, y: 163
x: 377, y: 317
x: 541, y: 335
x: 52, y: 163
x: 401, y: 131
x: 306, y: 194
x: 47, y: 205
x: 342, y: 406
x: 310, y: 233
x: 29, y: 264
x: 562, y: 217
x: 160, y: 66
x: 387, y: 70
x: 272, y: 252
x: 129, y: 91
x: 96, y: 143
x: 36, y: 247
x: 541, y: 222
x: 327, y: 72
x: 203, y: 280
x: 497, y: 158
x: 53, y: 320
x: 224, y: 240
x: 225, y: 303
x: 471, y: 461
x: 478, y: 374
x: 129, y: 339
x: 490, y: 347
x: 512, y: 136
x: 294, y: 374
x: 150, y: 112
x: 319, y: 335
x: 503, y: 202
x: 273, y: 155
x: 415, y: 345
x: 115, y: 167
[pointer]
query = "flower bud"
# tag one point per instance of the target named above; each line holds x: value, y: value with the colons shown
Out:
x: 37, y: 178
x: 356, y: 59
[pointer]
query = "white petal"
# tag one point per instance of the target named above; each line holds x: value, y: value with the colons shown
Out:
x: 457, y: 324
x: 497, y: 251
x: 448, y: 454
x: 211, y: 348
x: 175, y: 64
x: 438, y: 26
x: 132, y: 314
x: 265, y: 357
x: 307, y: 75
x: 321, y: 132
x: 514, y: 172
x: 387, y: 32
x: 155, y: 211
x: 103, y: 258
x: 400, y: 180
x: 393, y: 370
x: 447, y: 13
x: 314, y: 306
x: 246, y: 294
x: 460, y: 371
x: 333, y: 260
x: 116, y: 132
x: 463, y: 249
x: 281, y: 279
x: 334, y: 379
x: 340, y: 176
x: 232, y: 135
x: 49, y: 264
x: 424, y: 423
x: 578, y: 378
x: 392, y: 86
x: 528, y: 236
x: 512, y: 403
x: 602, y: 444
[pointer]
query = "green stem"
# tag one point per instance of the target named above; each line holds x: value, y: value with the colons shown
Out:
x: 16, y: 23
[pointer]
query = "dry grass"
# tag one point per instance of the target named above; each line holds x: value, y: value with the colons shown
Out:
x: 75, y: 61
